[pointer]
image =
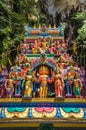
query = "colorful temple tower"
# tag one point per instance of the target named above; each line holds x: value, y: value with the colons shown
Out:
x: 46, y: 87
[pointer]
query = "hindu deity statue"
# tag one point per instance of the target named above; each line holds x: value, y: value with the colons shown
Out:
x: 77, y: 86
x: 44, y: 31
x: 35, y: 47
x: 68, y: 85
x: 52, y: 48
x: 43, y: 47
x: 62, y: 70
x: 24, y: 47
x: 9, y: 85
x: 43, y: 79
x: 16, y: 76
x: 28, y: 86
x: 58, y: 48
x: 72, y: 72
x: 59, y: 84
x: 63, y: 47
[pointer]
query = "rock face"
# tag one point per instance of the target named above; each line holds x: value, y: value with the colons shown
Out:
x: 51, y: 8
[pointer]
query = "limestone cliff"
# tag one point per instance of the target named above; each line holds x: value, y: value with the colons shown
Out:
x: 62, y: 7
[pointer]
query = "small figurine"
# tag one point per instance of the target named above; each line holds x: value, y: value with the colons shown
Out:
x: 44, y: 43
x: 34, y: 50
x: 77, y: 86
x: 58, y: 48
x: 72, y: 72
x: 9, y: 85
x: 52, y: 49
x: 35, y: 47
x: 24, y: 47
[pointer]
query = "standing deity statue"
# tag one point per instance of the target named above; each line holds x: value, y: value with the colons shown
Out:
x: 28, y: 86
x: 59, y: 85
x: 43, y: 86
x: 16, y: 76
x: 77, y: 86
x: 9, y: 85
x: 68, y: 85
x: 43, y: 80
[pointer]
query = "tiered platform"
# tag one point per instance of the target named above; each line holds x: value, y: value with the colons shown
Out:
x: 21, y: 113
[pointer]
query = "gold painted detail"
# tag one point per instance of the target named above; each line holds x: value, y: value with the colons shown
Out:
x: 23, y: 114
x: 78, y: 115
x: 66, y: 100
x: 43, y: 114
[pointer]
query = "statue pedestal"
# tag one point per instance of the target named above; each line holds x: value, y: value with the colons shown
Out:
x: 18, y: 95
x: 59, y: 98
x: 68, y: 96
x: 26, y: 98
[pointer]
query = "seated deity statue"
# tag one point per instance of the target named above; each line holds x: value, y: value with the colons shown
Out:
x: 44, y: 31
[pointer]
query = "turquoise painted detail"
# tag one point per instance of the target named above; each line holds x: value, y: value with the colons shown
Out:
x: 58, y: 114
x: 85, y: 113
x: 17, y: 109
x: 2, y: 114
x: 68, y: 110
x: 30, y: 113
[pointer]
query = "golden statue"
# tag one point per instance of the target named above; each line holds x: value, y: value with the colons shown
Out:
x: 43, y: 80
x: 28, y: 86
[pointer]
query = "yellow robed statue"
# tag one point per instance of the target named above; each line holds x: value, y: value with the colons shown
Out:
x: 28, y: 86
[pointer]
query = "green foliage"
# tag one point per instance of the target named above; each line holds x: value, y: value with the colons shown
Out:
x: 79, y: 21
x: 42, y: 18
x: 80, y: 16
x: 82, y: 33
x: 13, y: 14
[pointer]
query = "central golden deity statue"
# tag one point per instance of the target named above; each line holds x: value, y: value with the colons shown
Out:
x: 43, y: 79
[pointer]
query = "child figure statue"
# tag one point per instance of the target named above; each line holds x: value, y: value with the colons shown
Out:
x: 9, y: 85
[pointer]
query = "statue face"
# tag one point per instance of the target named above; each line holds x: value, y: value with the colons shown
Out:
x: 43, y: 70
x: 29, y: 77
